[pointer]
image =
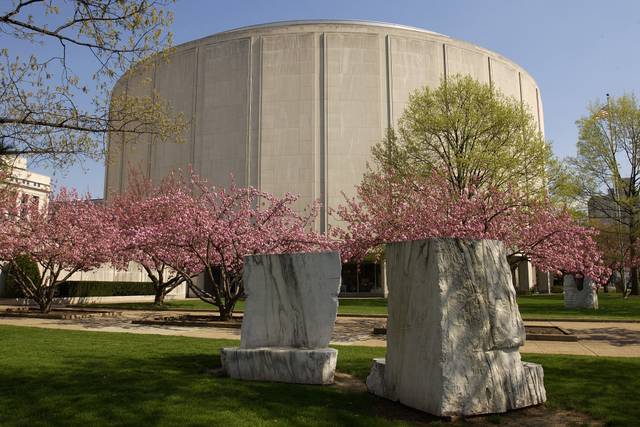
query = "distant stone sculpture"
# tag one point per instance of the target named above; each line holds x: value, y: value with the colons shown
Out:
x: 290, y: 312
x: 579, y: 292
x: 454, y: 330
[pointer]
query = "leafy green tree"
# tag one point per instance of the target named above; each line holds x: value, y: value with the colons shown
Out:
x: 472, y: 134
x: 607, y: 171
x: 52, y: 112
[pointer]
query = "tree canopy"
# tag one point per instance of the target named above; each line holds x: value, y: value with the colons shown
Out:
x: 470, y: 134
x: 606, y: 173
x: 51, y: 110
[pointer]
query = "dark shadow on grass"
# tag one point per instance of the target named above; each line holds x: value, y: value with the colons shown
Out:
x: 176, y: 389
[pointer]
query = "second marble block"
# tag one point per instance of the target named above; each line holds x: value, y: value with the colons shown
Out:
x: 454, y: 331
x: 290, y: 311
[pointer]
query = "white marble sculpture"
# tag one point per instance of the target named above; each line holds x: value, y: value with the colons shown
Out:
x: 579, y: 295
x: 290, y: 311
x: 454, y: 330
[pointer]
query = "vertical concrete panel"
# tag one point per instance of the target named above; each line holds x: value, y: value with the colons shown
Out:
x: 540, y: 112
x: 255, y: 113
x: 288, y: 119
x: 354, y: 116
x: 504, y: 78
x: 113, y: 169
x: 137, y: 147
x: 529, y: 96
x: 222, y: 112
x: 467, y: 62
x: 414, y: 64
x: 174, y: 85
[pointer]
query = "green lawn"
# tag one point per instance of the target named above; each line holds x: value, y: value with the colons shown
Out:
x: 612, y: 306
x: 72, y: 378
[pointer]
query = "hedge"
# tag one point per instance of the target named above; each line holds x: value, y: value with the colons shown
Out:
x: 104, y: 289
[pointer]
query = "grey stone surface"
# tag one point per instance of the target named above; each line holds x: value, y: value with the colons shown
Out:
x: 454, y: 330
x: 575, y: 296
x: 290, y: 365
x: 290, y: 311
x: 375, y: 379
x: 292, y: 299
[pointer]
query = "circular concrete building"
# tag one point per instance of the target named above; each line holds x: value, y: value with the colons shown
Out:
x: 296, y: 106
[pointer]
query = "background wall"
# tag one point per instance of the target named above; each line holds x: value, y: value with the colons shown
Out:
x: 296, y: 107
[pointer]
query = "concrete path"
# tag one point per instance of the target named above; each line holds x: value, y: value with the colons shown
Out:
x: 596, y: 338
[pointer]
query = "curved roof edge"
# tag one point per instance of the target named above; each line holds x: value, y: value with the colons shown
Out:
x: 329, y: 22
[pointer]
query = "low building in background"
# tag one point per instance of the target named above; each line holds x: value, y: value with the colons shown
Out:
x: 31, y: 186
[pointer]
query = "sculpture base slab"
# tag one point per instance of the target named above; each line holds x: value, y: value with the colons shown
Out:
x: 287, y: 365
x: 531, y: 393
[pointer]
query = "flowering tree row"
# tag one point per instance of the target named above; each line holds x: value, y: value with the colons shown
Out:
x: 183, y: 228
x: 179, y: 230
x: 388, y: 209
x: 175, y: 231
x: 72, y: 234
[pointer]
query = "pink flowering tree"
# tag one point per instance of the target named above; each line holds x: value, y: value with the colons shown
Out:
x: 71, y: 234
x: 220, y: 226
x: 145, y: 214
x: 387, y: 209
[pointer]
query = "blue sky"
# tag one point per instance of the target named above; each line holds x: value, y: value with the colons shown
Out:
x: 576, y: 50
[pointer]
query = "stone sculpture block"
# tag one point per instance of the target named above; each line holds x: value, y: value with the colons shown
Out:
x: 290, y: 365
x: 579, y: 292
x: 291, y: 307
x: 453, y: 331
x: 292, y: 299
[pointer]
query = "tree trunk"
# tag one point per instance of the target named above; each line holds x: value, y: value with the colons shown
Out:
x: 634, y: 281
x: 45, y: 307
x: 44, y: 302
x: 223, y: 313
x: 159, y: 296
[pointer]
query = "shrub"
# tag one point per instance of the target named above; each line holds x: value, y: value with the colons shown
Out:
x: 104, y: 289
x: 557, y: 289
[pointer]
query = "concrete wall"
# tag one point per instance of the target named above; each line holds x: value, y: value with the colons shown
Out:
x: 106, y: 273
x: 296, y: 107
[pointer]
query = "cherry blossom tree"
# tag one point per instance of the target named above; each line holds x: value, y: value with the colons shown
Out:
x: 387, y: 209
x: 71, y: 234
x: 220, y: 226
x: 145, y: 216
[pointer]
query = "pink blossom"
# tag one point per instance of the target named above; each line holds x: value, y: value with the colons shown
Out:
x: 390, y: 209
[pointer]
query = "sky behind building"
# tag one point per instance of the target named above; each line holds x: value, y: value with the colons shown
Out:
x: 576, y: 50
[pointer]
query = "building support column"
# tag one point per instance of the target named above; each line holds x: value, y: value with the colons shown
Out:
x: 383, y: 278
x: 543, y: 282
x: 525, y: 279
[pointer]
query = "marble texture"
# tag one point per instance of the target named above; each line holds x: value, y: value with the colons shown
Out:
x: 454, y: 330
x: 587, y: 297
x: 375, y: 379
x: 290, y: 311
x: 292, y: 299
x: 289, y: 365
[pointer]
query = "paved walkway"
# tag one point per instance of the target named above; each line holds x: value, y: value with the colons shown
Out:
x: 595, y: 338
